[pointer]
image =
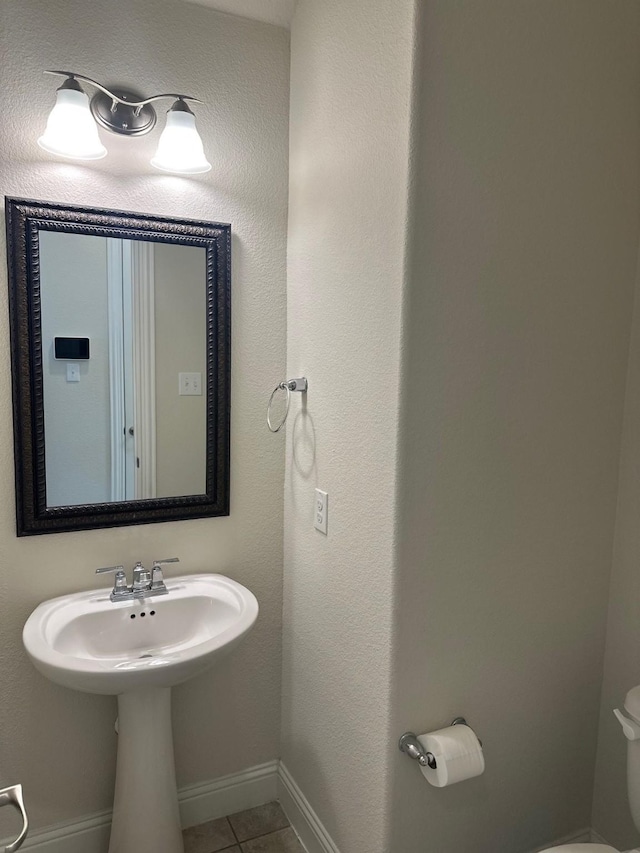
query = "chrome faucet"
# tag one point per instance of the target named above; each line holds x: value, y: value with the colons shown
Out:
x: 144, y: 583
x: 141, y: 578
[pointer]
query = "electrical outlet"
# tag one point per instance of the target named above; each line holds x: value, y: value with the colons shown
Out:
x: 321, y: 511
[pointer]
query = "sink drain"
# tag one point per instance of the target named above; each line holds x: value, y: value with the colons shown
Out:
x: 145, y: 656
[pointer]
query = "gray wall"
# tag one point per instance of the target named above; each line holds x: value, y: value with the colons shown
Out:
x: 61, y: 744
x: 473, y: 537
x: 73, y: 271
x: 517, y: 329
x: 611, y: 815
x: 181, y: 346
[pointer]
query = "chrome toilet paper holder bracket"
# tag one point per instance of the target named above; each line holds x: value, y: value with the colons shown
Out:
x: 411, y: 746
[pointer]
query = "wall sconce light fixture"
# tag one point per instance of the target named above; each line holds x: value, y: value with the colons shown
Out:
x: 72, y: 126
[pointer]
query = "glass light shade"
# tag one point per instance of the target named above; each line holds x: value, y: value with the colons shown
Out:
x: 180, y: 148
x: 71, y: 129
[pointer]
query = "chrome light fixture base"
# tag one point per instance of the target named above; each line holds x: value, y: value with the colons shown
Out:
x: 119, y: 117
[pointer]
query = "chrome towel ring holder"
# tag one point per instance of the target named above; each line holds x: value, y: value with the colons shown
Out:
x: 288, y: 386
x: 12, y: 796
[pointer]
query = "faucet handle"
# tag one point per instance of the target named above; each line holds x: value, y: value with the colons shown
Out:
x: 120, y: 587
x: 157, y: 578
x: 156, y: 569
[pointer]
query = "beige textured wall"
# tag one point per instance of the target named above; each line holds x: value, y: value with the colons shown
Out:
x: 60, y: 743
x: 517, y: 328
x: 181, y: 346
x: 350, y: 99
x: 611, y: 815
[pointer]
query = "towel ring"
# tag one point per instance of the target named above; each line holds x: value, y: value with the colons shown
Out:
x: 12, y: 796
x: 288, y: 386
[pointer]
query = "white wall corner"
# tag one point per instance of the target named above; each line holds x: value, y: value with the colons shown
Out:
x: 304, y: 820
x: 583, y: 836
x: 595, y: 838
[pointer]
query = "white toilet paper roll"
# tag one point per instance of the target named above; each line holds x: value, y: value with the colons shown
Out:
x: 458, y: 755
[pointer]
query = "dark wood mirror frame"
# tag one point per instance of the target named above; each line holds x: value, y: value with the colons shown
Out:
x: 24, y: 220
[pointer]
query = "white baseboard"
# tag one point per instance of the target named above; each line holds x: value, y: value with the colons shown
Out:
x: 304, y: 820
x: 217, y: 798
x: 210, y: 800
x: 198, y: 804
x: 316, y: 839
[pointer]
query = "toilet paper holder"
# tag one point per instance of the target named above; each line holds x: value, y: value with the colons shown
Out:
x: 411, y: 746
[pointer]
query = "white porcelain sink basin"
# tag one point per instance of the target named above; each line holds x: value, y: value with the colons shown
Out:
x: 89, y: 643
x: 138, y: 650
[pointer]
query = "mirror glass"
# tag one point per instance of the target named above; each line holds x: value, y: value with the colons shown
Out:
x: 124, y: 368
x: 121, y: 363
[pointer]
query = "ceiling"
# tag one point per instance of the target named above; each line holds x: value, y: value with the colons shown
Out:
x: 278, y: 12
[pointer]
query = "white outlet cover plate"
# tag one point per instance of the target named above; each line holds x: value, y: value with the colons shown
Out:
x: 321, y: 511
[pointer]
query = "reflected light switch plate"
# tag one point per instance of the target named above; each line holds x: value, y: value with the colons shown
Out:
x: 73, y: 373
x: 190, y: 384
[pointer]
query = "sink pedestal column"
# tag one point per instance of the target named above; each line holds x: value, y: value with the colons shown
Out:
x: 145, y: 807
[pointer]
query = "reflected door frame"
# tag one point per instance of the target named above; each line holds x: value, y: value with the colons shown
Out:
x: 131, y: 305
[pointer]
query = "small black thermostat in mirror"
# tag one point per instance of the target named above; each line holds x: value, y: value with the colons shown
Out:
x: 75, y: 348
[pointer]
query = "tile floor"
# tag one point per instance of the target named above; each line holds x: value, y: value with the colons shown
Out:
x: 264, y: 829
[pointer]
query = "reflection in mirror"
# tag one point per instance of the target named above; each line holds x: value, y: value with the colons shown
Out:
x: 129, y: 421
x: 121, y: 360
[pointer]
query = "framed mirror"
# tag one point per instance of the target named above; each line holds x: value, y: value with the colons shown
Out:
x: 121, y: 353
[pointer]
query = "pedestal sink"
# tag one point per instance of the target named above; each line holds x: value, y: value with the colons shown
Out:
x: 138, y: 650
